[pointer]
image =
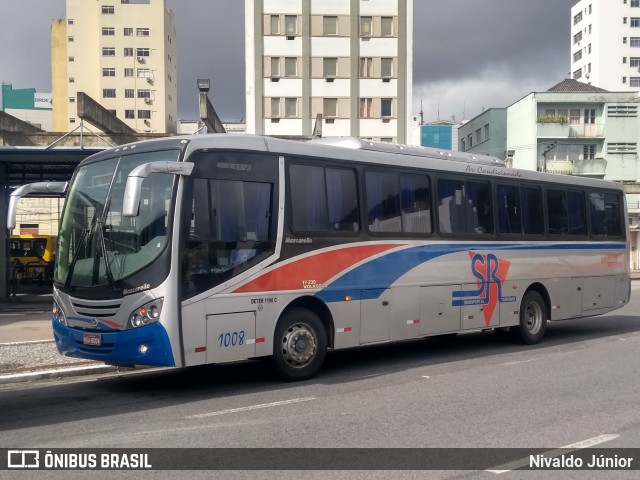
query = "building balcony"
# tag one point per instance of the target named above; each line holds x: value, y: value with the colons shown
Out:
x: 565, y: 130
x: 591, y: 167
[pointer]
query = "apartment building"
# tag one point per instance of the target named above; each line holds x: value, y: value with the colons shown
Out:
x: 349, y: 61
x: 605, y: 44
x: 122, y: 53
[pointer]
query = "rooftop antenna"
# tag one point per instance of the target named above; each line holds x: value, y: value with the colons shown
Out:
x: 421, y: 111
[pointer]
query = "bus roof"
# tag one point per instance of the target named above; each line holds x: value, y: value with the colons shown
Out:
x: 361, y: 151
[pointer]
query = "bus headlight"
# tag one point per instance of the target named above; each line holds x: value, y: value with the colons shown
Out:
x: 146, y: 314
x: 59, y: 314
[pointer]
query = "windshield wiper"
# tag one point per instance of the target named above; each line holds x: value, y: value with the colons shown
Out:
x: 74, y: 260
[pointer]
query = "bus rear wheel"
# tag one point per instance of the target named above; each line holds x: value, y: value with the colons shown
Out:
x: 300, y: 345
x: 533, y: 319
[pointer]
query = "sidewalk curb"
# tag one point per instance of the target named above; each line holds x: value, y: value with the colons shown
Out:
x: 55, y: 373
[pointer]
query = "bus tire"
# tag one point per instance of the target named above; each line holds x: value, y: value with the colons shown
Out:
x: 533, y: 319
x: 299, y: 345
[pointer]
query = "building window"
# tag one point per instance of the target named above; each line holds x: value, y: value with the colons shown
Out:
x: 577, y: 74
x: 574, y: 116
x: 275, y: 107
x: 144, y: 93
x: 128, y: 32
x: 72, y: 120
x: 365, y: 26
x: 290, y: 66
x: 290, y: 107
x: 70, y: 21
x: 462, y: 145
x: 329, y: 67
x: 470, y: 140
x: 589, y: 115
x: 634, y: 81
x: 330, y: 107
x: 128, y: 52
x: 634, y: 62
x: 72, y: 99
x: 108, y: 31
x: 478, y: 135
x: 366, y: 107
x: 290, y: 24
x: 108, y: 52
x: 129, y: 114
x: 486, y: 132
x: 129, y: 93
x: 386, y: 67
x: 577, y: 56
x: 70, y: 39
x: 329, y: 25
x: 386, y: 26
x: 635, y: 3
x: 108, y: 93
x: 128, y: 72
x: 144, y: 114
x: 142, y: 32
x: 385, y: 107
x: 634, y: 42
x: 635, y: 22
x: 143, y: 52
x: 275, y: 24
x: 366, y: 67
x: 577, y: 18
x: 589, y: 152
x: 108, y: 10
x: 143, y: 73
x: 72, y: 80
x: 72, y: 59
x: 577, y: 37
x: 275, y: 66
x: 108, y: 72
x: 624, y: 20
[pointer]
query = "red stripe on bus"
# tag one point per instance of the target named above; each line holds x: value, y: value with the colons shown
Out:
x: 260, y: 340
x: 317, y: 268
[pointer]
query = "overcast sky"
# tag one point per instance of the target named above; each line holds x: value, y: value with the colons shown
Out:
x: 468, y: 54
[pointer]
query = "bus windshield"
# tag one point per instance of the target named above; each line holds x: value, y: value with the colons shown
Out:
x: 99, y: 246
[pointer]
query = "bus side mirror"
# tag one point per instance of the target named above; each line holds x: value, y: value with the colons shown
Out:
x: 49, y: 188
x: 133, y: 188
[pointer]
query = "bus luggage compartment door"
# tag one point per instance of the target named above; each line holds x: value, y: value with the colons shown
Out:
x: 437, y: 313
x: 375, y: 315
x: 231, y: 336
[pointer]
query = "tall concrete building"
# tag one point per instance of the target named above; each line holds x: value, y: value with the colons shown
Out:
x: 122, y: 53
x: 348, y: 60
x: 605, y: 44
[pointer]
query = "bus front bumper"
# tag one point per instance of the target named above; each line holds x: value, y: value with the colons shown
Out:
x: 148, y: 345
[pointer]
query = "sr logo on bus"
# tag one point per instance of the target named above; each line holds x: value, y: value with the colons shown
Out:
x: 491, y: 273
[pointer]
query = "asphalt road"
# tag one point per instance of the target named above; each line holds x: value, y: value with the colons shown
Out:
x: 581, y: 384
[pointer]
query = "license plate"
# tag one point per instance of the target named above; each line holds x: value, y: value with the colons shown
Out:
x: 93, y: 339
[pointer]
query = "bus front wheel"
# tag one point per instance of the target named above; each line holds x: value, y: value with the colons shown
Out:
x: 533, y: 319
x: 300, y: 345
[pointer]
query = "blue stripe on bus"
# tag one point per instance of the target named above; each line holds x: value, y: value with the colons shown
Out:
x: 369, y: 280
x: 117, y: 348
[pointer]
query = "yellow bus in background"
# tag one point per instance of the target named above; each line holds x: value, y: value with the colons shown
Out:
x: 29, y: 248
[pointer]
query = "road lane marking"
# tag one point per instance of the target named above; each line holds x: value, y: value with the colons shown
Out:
x: 250, y: 407
x: 523, y: 462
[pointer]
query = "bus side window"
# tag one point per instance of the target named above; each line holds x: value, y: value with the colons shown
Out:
x: 557, y: 212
